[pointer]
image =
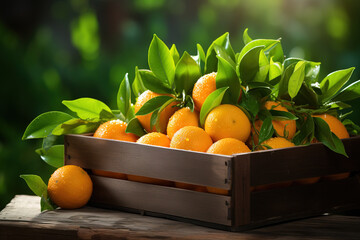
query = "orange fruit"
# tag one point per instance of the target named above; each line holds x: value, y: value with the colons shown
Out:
x: 227, y: 121
x: 115, y: 129
x: 191, y: 138
x: 335, y: 125
x: 155, y: 138
x: 226, y: 146
x: 202, y: 89
x: 276, y: 142
x: 181, y: 118
x: 70, y: 187
x: 145, y: 119
x: 109, y: 174
x: 280, y: 126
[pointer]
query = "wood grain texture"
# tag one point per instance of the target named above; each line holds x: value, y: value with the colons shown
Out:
x: 166, y: 200
x: 21, y: 219
x: 315, y: 160
x: 150, y: 161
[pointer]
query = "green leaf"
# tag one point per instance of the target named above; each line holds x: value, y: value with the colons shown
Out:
x: 43, y: 124
x: 47, y: 204
x: 153, y: 83
x: 251, y: 102
x: 312, y: 69
x: 264, y: 66
x: 76, y: 126
x: 134, y: 126
x: 296, y: 79
x: 124, y: 99
x: 54, y: 156
x: 155, y: 117
x: 275, y: 70
x: 284, y: 82
x: 153, y: 104
x: 282, y: 115
x: 37, y: 185
x: 259, y: 89
x: 89, y: 108
x: 189, y: 102
x: 306, y: 96
x: 349, y: 93
x: 211, y: 60
x: 138, y: 86
x: 227, y: 77
x: 249, y: 64
x: 266, y: 131
x: 154, y: 120
x: 246, y: 37
x: 161, y: 62
x: 306, y: 131
x: 187, y: 72
x: 174, y: 54
x: 200, y: 52
x: 333, y: 82
x: 49, y: 141
x: 221, y: 52
x: 265, y: 43
x: 213, y: 100
x: 351, y: 127
x: 324, y: 135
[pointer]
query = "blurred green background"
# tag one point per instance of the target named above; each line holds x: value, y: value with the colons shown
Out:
x: 51, y: 50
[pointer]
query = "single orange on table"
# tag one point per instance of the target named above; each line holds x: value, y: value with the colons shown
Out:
x: 145, y: 119
x: 156, y: 139
x: 182, y: 118
x: 340, y: 131
x: 226, y: 146
x: 282, y: 126
x: 203, y: 87
x: 227, y: 121
x: 113, y: 129
x: 70, y: 187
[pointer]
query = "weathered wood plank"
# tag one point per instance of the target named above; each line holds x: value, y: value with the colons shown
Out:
x: 21, y: 219
x: 150, y: 161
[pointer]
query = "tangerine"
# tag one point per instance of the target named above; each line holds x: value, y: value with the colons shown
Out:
x: 191, y: 138
x: 282, y: 126
x: 70, y: 187
x: 181, y: 118
x: 227, y: 121
x: 203, y: 87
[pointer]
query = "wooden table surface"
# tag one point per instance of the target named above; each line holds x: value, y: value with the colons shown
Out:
x: 21, y: 219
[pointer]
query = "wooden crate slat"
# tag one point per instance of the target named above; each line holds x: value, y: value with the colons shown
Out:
x: 150, y: 161
x: 315, y: 160
x: 177, y: 202
x: 306, y: 200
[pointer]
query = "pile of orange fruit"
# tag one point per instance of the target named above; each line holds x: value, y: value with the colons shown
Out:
x: 216, y: 102
x: 227, y: 131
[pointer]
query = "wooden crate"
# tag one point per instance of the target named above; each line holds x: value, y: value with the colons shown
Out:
x: 243, y: 208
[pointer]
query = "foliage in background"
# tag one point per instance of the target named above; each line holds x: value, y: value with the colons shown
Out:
x: 56, y: 50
